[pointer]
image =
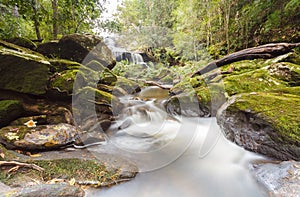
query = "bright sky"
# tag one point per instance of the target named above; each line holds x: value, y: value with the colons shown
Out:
x: 111, y: 6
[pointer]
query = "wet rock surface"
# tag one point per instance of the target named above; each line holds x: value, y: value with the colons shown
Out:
x: 280, y: 179
x: 38, y: 138
x: 265, y: 123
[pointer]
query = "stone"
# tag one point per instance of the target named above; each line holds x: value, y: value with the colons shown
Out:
x: 23, y: 42
x: 266, y: 123
x: 280, y: 179
x: 22, y: 70
x: 9, y: 111
x: 41, y: 137
x: 45, y: 190
x: 85, y: 48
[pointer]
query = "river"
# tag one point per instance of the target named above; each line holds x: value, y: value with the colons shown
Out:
x: 177, y: 156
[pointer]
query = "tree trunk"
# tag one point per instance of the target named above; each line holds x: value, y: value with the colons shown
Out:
x: 36, y: 23
x: 264, y: 51
x: 55, y: 19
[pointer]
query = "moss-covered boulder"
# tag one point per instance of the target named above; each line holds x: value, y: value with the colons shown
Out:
x: 41, y: 137
x: 266, y: 123
x: 9, y: 110
x: 71, y: 171
x: 49, y: 49
x: 7, y: 154
x: 23, y: 42
x: 59, y: 65
x: 246, y: 76
x: 22, y: 70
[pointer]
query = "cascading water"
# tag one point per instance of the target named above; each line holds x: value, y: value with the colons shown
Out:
x: 121, y: 53
x: 177, y: 156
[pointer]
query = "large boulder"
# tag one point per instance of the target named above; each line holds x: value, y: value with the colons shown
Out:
x: 213, y: 89
x: 9, y: 110
x: 22, y: 70
x: 280, y: 179
x: 266, y: 123
x: 79, y: 48
x: 41, y: 137
x: 23, y: 42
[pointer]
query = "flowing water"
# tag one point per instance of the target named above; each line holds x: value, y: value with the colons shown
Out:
x: 177, y: 156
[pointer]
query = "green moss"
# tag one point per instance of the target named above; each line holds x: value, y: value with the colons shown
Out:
x: 9, y: 110
x: 64, y: 81
x: 23, y: 72
x: 244, y: 66
x: 288, y: 90
x: 79, y: 169
x: 257, y: 80
x: 98, y: 94
x: 59, y: 65
x: 281, y: 111
x: 7, y: 155
x: 11, y: 134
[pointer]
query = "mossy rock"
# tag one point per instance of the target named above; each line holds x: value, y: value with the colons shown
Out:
x: 23, y: 71
x: 7, y: 154
x: 59, y: 65
x: 49, y: 49
x: 82, y: 171
x: 247, y: 76
x: 23, y: 42
x: 63, y: 82
x: 10, y: 110
x: 85, y: 48
x: 41, y: 137
x: 256, y: 80
x: 267, y: 123
x: 286, y: 71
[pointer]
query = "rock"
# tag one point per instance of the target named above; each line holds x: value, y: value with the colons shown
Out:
x: 9, y: 110
x: 22, y: 70
x: 3, y: 188
x: 49, y: 49
x: 286, y: 72
x: 213, y: 89
x: 41, y: 137
x: 61, y: 84
x: 88, y: 171
x: 46, y: 190
x: 186, y: 106
x: 194, y: 95
x: 282, y: 179
x: 7, y: 155
x: 59, y: 65
x: 265, y: 123
x: 23, y: 42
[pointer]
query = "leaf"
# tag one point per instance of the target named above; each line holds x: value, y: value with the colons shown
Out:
x: 2, y: 155
x: 36, y: 155
x: 72, y: 181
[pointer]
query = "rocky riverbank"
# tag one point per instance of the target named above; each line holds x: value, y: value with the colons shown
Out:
x: 40, y: 122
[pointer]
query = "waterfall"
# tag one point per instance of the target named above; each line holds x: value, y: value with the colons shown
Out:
x: 121, y: 53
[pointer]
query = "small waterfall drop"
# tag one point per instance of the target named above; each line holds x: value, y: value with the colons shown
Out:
x: 121, y: 53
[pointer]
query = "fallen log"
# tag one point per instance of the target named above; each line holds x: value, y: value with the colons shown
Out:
x: 266, y: 51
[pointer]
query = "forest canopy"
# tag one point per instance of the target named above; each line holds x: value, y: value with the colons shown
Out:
x: 222, y: 26
x: 187, y: 26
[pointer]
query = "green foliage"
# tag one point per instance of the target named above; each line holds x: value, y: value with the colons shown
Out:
x: 35, y: 18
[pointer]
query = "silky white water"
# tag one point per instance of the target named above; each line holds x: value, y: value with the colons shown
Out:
x: 178, y: 157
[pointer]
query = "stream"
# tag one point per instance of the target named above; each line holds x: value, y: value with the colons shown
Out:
x: 176, y: 156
